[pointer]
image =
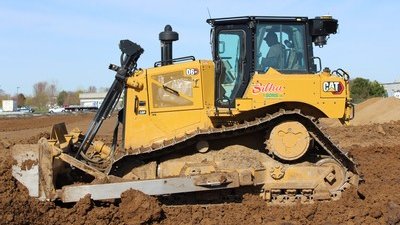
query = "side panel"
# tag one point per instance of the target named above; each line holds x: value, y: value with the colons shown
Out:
x: 172, y: 102
x: 273, y: 88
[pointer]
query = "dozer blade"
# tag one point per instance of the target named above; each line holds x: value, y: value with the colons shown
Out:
x: 26, y: 167
x: 33, y: 167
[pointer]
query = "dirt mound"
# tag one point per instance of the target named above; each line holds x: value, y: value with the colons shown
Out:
x: 138, y: 208
x: 374, y: 110
x: 377, y: 110
x: 135, y: 208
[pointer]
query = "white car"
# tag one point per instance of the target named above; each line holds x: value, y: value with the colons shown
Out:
x: 396, y: 94
x: 25, y: 109
x: 56, y: 110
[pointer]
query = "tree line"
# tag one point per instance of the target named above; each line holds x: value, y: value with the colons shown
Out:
x: 362, y: 89
x: 47, y: 95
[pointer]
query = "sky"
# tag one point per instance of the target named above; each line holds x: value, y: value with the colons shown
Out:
x: 70, y: 43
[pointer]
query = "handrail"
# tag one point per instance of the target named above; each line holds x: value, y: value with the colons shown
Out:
x: 181, y: 59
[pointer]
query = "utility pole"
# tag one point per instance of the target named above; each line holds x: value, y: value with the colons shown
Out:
x: 16, y: 98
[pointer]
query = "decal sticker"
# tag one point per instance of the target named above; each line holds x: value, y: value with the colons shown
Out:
x: 335, y: 87
x: 268, y: 90
x: 192, y: 71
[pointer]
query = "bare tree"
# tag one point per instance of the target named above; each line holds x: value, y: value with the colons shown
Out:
x: 104, y: 89
x: 44, y: 94
x: 92, y: 89
x: 40, y: 97
x: 52, y: 92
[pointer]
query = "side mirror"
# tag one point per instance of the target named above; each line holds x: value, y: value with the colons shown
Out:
x: 314, y: 66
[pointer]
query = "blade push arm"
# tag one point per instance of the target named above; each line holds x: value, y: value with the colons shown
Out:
x: 129, y: 56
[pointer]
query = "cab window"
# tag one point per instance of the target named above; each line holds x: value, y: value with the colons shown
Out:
x: 280, y: 46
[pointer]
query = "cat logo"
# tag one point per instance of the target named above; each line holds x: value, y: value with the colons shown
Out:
x: 335, y: 87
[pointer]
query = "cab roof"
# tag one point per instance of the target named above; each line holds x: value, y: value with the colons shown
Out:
x: 247, y: 19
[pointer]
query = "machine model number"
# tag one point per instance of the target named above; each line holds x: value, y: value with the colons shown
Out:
x: 335, y: 87
x: 192, y: 71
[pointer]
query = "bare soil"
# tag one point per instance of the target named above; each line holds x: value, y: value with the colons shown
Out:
x: 375, y: 148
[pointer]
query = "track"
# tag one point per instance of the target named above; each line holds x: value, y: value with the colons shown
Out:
x: 323, y: 144
x: 248, y: 127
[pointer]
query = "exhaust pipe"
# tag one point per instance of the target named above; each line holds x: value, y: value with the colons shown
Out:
x: 166, y: 38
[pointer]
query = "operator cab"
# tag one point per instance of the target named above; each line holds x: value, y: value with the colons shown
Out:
x: 243, y: 46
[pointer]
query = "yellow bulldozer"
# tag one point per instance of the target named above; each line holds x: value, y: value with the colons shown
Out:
x: 246, y: 118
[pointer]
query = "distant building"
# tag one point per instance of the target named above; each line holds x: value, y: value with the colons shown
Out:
x: 96, y: 99
x: 9, y: 105
x: 393, y: 89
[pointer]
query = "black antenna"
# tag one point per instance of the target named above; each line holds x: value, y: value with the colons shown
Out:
x: 209, y: 14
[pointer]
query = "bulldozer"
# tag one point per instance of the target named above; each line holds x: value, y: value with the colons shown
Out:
x: 246, y: 118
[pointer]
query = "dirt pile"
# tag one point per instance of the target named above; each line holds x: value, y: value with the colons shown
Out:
x: 374, y: 110
x: 138, y: 207
x: 134, y: 208
x: 377, y: 110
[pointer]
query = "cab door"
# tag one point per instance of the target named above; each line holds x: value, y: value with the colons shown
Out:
x: 233, y: 58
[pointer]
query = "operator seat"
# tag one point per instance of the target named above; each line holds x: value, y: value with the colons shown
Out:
x: 293, y: 56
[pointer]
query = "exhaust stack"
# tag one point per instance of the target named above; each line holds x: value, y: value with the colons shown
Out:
x: 166, y: 38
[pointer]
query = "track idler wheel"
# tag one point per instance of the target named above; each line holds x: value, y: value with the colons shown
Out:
x: 289, y: 140
x: 335, y: 180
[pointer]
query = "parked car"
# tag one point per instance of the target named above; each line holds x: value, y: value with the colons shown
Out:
x: 396, y: 94
x: 57, y: 110
x: 26, y: 109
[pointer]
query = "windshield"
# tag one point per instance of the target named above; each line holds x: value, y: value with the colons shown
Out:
x: 280, y: 46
